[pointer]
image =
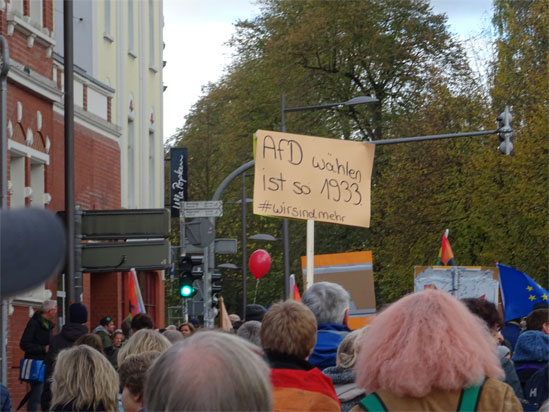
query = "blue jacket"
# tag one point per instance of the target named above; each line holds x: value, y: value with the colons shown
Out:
x: 328, y: 338
x: 531, y: 354
x: 5, y: 402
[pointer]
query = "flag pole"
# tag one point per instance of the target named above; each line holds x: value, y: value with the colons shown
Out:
x: 455, y: 274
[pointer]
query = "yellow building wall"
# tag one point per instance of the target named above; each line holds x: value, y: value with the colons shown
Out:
x: 129, y: 73
x: 107, y: 49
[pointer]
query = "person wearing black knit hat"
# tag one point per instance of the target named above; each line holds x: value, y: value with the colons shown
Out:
x: 78, y: 315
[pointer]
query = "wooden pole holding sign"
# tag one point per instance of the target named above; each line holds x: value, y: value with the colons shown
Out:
x: 310, y: 253
x: 315, y: 178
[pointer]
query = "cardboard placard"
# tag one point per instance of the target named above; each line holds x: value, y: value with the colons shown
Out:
x: 351, y: 270
x: 313, y: 178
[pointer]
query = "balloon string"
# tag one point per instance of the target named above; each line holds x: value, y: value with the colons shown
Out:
x: 256, y: 284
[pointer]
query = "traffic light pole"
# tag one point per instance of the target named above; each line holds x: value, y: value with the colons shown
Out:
x: 209, y: 251
x: 68, y: 61
x: 182, y: 252
x: 433, y: 137
x: 209, y: 316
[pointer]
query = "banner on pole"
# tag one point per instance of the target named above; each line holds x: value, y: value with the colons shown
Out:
x: 137, y: 305
x: 461, y: 281
x: 294, y: 290
x: 178, y: 180
x: 313, y: 178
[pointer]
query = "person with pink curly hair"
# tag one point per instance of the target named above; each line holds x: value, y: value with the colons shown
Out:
x: 428, y: 352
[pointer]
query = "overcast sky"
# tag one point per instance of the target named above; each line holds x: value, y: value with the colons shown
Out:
x: 195, y: 32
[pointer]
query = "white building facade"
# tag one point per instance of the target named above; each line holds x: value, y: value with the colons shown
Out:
x: 120, y: 44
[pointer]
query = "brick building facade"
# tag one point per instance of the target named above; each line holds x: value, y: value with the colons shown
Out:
x: 35, y: 118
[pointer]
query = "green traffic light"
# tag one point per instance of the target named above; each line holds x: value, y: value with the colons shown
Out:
x: 186, y: 291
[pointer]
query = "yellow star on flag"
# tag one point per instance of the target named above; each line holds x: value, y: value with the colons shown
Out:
x: 544, y: 296
x: 532, y: 297
x: 529, y: 288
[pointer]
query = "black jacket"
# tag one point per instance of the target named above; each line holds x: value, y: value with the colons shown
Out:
x: 63, y: 340
x: 36, y: 337
x: 537, y: 387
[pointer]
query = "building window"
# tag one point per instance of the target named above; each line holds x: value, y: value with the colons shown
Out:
x: 151, y: 34
x: 107, y: 33
x: 17, y: 178
x: 17, y: 7
x: 130, y: 27
x: 131, y: 164
x: 152, y: 171
x: 36, y: 12
x: 37, y: 184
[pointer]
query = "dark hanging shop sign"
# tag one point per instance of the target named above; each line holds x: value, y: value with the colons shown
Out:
x: 178, y: 181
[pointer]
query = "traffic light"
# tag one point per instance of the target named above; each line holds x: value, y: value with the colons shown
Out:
x: 215, y: 287
x: 215, y: 290
x: 186, y: 289
x: 189, y: 270
x: 505, y: 132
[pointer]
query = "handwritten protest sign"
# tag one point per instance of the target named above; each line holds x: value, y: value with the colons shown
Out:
x: 308, y: 177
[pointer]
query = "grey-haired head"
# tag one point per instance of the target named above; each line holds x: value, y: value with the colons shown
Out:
x: 328, y: 301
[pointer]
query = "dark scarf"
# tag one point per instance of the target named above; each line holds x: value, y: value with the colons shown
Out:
x: 339, y: 375
x: 279, y: 360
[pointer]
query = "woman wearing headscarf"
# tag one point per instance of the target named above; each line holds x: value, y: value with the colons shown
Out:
x: 428, y: 352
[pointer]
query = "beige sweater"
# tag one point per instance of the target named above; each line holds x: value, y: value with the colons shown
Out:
x: 495, y: 396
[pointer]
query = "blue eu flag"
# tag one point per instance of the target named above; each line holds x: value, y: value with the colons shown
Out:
x: 519, y: 292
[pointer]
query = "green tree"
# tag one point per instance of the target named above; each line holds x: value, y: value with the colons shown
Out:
x: 381, y: 48
x: 325, y: 51
x: 512, y: 202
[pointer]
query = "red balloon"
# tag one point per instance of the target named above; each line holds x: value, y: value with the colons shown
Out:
x: 259, y: 263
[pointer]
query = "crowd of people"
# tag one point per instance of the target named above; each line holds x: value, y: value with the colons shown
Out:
x: 428, y: 351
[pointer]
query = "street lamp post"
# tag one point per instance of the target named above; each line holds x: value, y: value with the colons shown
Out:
x: 243, y: 203
x: 244, y: 221
x: 310, y: 223
x: 244, y: 249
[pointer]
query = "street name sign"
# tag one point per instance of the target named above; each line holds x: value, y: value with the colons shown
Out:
x: 122, y: 256
x: 221, y: 247
x: 125, y: 224
x: 209, y: 208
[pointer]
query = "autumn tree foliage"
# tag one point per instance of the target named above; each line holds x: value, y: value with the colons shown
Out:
x: 401, y: 52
